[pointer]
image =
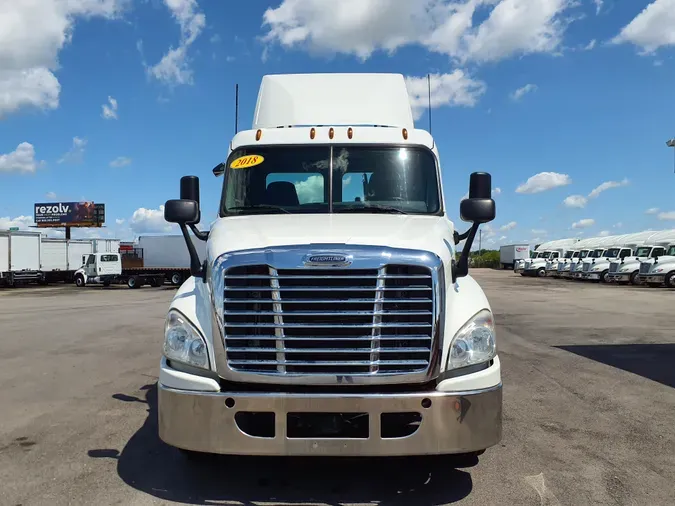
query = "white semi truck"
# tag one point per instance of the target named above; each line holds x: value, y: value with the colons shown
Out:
x: 550, y: 252
x: 615, y: 248
x: 661, y: 270
x: 330, y: 315
x: 630, y: 269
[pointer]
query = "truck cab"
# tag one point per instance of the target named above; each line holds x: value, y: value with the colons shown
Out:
x: 98, y: 268
x: 331, y: 314
x: 597, y: 268
x: 661, y: 271
x: 629, y: 269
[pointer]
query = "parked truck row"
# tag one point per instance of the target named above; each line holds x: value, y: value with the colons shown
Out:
x: 28, y: 256
x: 639, y: 258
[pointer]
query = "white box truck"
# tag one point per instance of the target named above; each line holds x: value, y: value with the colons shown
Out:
x: 61, y: 258
x: 330, y: 314
x: 19, y: 257
x: 510, y: 254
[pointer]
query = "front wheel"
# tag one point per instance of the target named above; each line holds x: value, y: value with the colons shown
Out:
x: 79, y: 281
x: 670, y: 280
x: 635, y: 278
x: 541, y: 273
x: 603, y: 276
x: 176, y: 278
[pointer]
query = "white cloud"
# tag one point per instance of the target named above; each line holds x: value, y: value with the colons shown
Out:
x: 310, y: 190
x: 607, y: 185
x: 598, y: 6
x: 76, y: 153
x: 591, y: 45
x: 539, y: 231
x: 174, y: 67
x: 544, y: 181
x: 585, y: 223
x: 618, y: 225
x: 521, y: 92
x: 109, y: 110
x: 496, y: 191
x: 32, y: 33
x: 361, y: 27
x: 120, y: 161
x: 454, y: 89
x: 667, y: 216
x: 150, y: 221
x: 652, y: 28
x: 51, y: 195
x: 577, y: 201
x: 23, y: 222
x: 503, y: 238
x: 509, y: 226
x: 120, y: 221
x: 652, y: 210
x: 604, y: 233
x: 21, y: 160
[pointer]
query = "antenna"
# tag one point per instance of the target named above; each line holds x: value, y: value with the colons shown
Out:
x: 236, y: 108
x: 429, y: 87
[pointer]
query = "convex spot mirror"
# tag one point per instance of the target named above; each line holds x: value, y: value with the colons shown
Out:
x: 479, y: 207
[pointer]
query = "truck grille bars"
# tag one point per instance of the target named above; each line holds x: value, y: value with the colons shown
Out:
x: 614, y: 267
x: 333, y: 322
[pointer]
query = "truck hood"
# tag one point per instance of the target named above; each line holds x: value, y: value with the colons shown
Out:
x: 430, y: 233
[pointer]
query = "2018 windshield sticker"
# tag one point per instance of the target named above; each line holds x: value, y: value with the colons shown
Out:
x: 244, y: 162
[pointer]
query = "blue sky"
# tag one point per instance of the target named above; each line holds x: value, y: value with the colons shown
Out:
x: 573, y: 96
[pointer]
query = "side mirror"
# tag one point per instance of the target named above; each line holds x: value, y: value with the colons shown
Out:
x: 183, y: 212
x: 479, y: 207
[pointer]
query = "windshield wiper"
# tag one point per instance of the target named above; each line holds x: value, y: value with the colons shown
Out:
x: 373, y: 209
x: 252, y: 207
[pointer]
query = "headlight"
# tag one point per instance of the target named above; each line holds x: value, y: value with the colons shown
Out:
x: 474, y: 343
x: 183, y: 343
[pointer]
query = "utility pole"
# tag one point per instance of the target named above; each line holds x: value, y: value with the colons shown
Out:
x: 671, y: 144
x: 480, y: 240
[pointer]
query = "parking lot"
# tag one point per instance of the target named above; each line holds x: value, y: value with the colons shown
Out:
x: 589, y: 401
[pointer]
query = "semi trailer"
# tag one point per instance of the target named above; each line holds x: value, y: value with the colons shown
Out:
x: 336, y: 321
x: 19, y: 257
x: 510, y: 254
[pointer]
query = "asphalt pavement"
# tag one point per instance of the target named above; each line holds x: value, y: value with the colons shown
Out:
x: 589, y: 404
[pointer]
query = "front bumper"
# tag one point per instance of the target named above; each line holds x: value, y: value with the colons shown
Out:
x: 451, y: 422
x: 619, y: 276
x: 653, y: 278
x: 590, y: 275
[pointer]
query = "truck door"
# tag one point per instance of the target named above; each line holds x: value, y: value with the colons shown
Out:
x: 90, y: 266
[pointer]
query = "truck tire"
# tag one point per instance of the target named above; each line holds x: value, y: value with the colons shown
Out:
x: 541, y: 272
x: 133, y: 282
x: 155, y: 282
x: 669, y: 280
x: 176, y: 278
x: 603, y: 276
x: 635, y: 278
x: 79, y: 281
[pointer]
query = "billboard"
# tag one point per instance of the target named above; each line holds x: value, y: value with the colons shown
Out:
x: 70, y: 214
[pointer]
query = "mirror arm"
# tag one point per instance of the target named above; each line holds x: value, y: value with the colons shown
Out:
x: 202, y: 236
x: 460, y: 237
x: 461, y: 269
x: 196, y: 268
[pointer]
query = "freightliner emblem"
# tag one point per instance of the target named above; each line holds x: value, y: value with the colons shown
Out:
x: 327, y: 260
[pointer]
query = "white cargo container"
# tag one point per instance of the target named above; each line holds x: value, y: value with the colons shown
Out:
x: 167, y: 251
x: 510, y: 254
x: 19, y: 256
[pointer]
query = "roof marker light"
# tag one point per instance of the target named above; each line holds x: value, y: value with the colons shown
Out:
x: 331, y: 133
x: 405, y: 134
x: 312, y: 133
x: 258, y: 135
x: 350, y: 132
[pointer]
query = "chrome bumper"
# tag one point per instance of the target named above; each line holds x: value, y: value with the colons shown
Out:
x: 619, y: 276
x: 653, y: 278
x: 455, y: 422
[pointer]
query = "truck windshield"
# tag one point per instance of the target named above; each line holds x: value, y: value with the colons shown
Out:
x: 596, y: 254
x: 643, y: 252
x: 583, y: 254
x: 575, y: 254
x: 321, y: 179
x: 569, y: 254
x: 671, y: 251
x: 545, y: 254
x: 612, y: 253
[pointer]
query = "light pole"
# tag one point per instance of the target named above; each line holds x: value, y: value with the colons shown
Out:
x: 671, y: 144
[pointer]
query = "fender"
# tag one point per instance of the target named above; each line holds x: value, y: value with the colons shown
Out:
x: 194, y: 302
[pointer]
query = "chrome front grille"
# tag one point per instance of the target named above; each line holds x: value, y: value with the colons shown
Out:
x: 613, y: 267
x: 317, y: 321
x: 644, y: 267
x: 587, y: 267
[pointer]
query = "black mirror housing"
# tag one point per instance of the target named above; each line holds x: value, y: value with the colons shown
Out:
x: 477, y: 210
x: 183, y: 211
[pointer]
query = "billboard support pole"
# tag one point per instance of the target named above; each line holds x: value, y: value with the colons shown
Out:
x: 67, y: 233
